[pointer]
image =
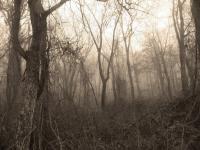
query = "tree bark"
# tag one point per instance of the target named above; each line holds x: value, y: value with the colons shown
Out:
x: 13, y: 75
x: 34, y: 83
x: 14, y: 65
x: 39, y: 46
x: 26, y: 101
x: 191, y: 74
x: 179, y: 30
x: 196, y: 16
x: 23, y: 107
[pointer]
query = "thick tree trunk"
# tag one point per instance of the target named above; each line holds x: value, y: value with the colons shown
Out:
x: 21, y: 118
x: 180, y: 31
x: 196, y: 16
x: 191, y: 74
x: 39, y: 46
x: 13, y: 73
x: 26, y: 101
x: 184, y: 78
x: 13, y: 77
x: 33, y: 83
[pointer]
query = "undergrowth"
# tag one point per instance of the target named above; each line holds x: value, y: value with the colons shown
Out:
x: 161, y: 126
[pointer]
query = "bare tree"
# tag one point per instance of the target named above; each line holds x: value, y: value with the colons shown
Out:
x: 162, y: 50
x: 127, y: 43
x: 179, y: 26
x: 33, y: 83
x: 104, y: 74
x: 157, y: 62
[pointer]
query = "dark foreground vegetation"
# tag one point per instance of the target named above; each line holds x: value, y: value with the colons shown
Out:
x: 161, y: 126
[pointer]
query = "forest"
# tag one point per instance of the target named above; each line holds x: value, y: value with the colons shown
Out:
x: 100, y: 75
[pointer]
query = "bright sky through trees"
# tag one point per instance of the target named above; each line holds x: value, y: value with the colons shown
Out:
x: 156, y: 16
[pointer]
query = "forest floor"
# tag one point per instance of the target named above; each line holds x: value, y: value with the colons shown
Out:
x: 158, y: 126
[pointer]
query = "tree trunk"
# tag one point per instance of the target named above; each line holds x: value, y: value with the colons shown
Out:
x: 158, y: 66
x: 114, y: 84
x: 13, y: 79
x: 103, y: 94
x: 39, y: 46
x: 150, y: 84
x: 191, y: 73
x: 179, y: 30
x: 167, y: 77
x: 130, y: 75
x: 196, y: 16
x: 137, y: 80
x: 13, y: 71
x: 26, y: 101
x: 21, y: 118
x: 33, y: 83
x: 173, y: 79
x: 184, y: 78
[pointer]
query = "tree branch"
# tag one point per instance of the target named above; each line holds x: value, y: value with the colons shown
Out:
x: 112, y: 48
x: 175, y: 23
x: 56, y: 6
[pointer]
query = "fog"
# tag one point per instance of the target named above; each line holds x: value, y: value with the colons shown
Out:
x: 99, y: 74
